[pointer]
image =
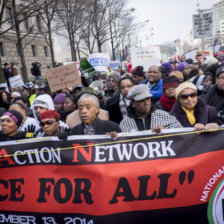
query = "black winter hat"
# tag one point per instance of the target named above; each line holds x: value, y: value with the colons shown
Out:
x: 170, y: 81
x: 139, y: 71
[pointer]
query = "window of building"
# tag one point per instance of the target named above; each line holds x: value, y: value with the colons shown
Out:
x: 9, y: 16
x: 26, y: 22
x: 34, y: 50
x: 46, y: 51
x: 2, y: 53
x: 39, y: 24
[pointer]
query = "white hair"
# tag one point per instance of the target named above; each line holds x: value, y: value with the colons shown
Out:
x: 94, y: 98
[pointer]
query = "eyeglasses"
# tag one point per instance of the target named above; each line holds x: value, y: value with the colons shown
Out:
x: 48, y: 122
x: 127, y: 86
x: 185, y: 96
x: 222, y: 78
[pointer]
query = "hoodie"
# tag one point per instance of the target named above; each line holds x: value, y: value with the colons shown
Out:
x: 46, y: 101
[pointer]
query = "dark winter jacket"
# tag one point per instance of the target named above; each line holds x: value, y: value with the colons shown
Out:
x: 214, y: 97
x: 203, y: 113
x: 19, y: 135
x: 101, y: 127
x: 112, y: 106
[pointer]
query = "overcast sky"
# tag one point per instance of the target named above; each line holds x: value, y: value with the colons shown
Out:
x: 171, y: 19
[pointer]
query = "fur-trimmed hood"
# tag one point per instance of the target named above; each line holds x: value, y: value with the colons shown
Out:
x: 202, y: 112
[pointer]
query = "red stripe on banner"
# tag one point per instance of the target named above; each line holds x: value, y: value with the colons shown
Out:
x: 111, y: 188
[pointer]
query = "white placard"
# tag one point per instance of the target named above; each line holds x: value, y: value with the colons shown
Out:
x: 191, y: 54
x: 203, y: 25
x: 145, y: 56
x: 100, y: 61
x: 16, y: 81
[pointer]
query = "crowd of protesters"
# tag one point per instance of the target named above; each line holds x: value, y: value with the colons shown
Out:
x: 185, y: 93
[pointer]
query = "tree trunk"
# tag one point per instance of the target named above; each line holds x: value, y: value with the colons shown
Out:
x: 20, y: 44
x: 99, y: 46
x: 73, y: 50
x: 51, y: 45
x: 2, y: 78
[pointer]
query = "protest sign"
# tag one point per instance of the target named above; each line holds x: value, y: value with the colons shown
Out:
x: 203, y: 25
x: 114, y: 65
x: 204, y: 53
x: 191, y: 54
x: 172, y: 178
x: 100, y: 61
x: 63, y: 77
x: 87, y: 68
x: 4, y: 86
x: 16, y: 81
x: 145, y: 56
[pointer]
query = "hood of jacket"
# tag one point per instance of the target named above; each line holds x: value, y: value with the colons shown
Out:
x: 44, y: 100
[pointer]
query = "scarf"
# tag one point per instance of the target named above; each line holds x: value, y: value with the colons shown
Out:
x: 123, y: 106
x: 190, y: 116
x: 167, y: 103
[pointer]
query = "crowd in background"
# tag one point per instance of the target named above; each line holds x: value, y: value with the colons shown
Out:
x: 176, y: 94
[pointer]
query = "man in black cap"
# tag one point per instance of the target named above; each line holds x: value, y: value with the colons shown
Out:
x: 215, y: 95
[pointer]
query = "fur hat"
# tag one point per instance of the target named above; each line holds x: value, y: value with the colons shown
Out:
x: 182, y: 86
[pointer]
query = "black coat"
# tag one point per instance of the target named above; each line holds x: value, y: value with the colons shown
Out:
x: 203, y: 113
x: 214, y: 97
x: 101, y: 127
x: 112, y: 106
x: 19, y: 135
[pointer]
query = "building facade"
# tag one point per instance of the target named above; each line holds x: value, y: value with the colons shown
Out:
x: 34, y: 44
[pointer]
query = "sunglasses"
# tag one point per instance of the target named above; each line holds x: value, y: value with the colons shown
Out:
x: 185, y: 96
x: 48, y: 122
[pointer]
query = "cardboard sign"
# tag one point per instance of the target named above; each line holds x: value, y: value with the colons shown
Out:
x: 16, y: 81
x: 100, y: 61
x: 145, y: 56
x: 203, y: 25
x: 63, y: 77
x: 141, y: 178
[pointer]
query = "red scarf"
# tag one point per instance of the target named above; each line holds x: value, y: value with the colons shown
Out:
x: 167, y: 103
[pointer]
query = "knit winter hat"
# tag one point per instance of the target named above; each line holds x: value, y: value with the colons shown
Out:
x: 168, y: 67
x: 139, y: 71
x: 181, y: 66
x: 59, y: 98
x: 139, y: 92
x: 14, y: 115
x: 170, y: 81
x: 113, y: 77
x: 219, y: 71
x: 182, y: 86
x: 50, y: 114
x: 177, y: 74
